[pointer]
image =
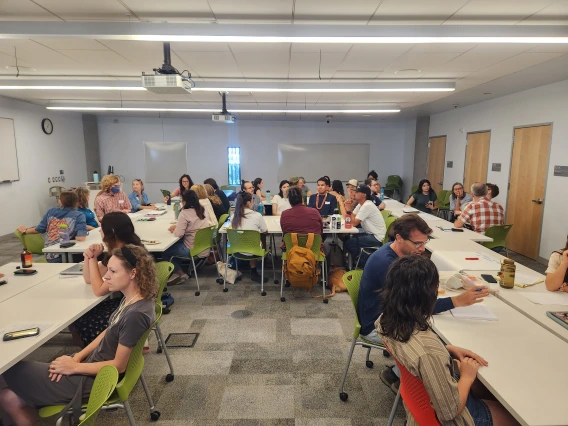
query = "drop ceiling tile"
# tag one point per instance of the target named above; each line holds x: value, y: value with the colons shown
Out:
x: 325, y: 11
x: 71, y: 43
x: 99, y: 59
x: 260, y: 97
x: 19, y: 10
x: 146, y: 55
x: 375, y: 58
x: 481, y: 57
x: 268, y: 61
x: 555, y: 14
x: 421, y: 61
x: 307, y: 65
x: 212, y: 64
x: 198, y: 47
x: 497, y: 12
x: 549, y: 48
x: 171, y: 10
x: 270, y: 10
x: 38, y: 56
x: 442, y: 47
x: 315, y: 47
x: 73, y: 10
x: 427, y: 12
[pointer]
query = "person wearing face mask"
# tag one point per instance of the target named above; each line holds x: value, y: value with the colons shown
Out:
x: 138, y: 197
x: 111, y: 198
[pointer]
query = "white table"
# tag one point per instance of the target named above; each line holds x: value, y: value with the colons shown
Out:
x: 58, y: 301
x: 20, y: 283
x: 156, y: 230
x: 273, y: 226
x: 526, y: 362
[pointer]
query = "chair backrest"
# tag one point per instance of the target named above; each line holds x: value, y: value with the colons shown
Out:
x: 416, y: 398
x: 352, y: 281
x: 163, y: 271
x: 394, y: 181
x: 443, y: 199
x: 244, y: 241
x: 33, y: 242
x: 203, y: 240
x: 102, y: 389
x: 386, y: 213
x: 222, y: 220
x: 388, y: 222
x: 499, y: 234
x: 302, y: 239
x: 413, y: 189
x: 135, y: 362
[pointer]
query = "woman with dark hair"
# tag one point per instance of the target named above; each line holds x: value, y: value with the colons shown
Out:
x: 492, y: 191
x: 409, y: 295
x: 247, y: 219
x: 83, y: 194
x: 185, y: 183
x: 557, y: 271
x: 31, y: 385
x: 458, y: 199
x: 280, y: 202
x: 191, y: 219
x: 117, y: 231
x: 424, y: 199
x: 372, y: 175
x: 257, y: 185
x: 216, y: 202
x: 219, y: 193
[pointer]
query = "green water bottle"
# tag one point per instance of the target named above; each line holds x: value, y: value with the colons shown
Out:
x: 177, y: 209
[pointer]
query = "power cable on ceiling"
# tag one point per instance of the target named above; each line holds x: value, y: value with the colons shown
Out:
x: 17, y: 68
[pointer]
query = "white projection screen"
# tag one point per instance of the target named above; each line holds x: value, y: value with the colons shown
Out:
x: 312, y: 161
x: 165, y: 161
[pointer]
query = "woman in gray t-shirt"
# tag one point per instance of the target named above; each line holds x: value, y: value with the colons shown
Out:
x: 131, y: 270
x: 424, y: 199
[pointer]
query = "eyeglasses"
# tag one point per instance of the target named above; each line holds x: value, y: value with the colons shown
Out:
x: 420, y: 244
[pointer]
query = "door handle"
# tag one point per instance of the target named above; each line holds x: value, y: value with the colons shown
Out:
x: 539, y: 201
x: 441, y: 183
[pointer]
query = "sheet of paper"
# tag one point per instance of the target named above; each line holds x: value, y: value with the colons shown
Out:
x: 521, y: 278
x: 475, y: 312
x: 548, y: 298
x: 44, y: 327
x: 410, y: 210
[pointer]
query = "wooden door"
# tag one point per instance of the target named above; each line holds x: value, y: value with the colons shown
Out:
x: 436, y: 158
x: 476, y: 159
x: 527, y: 183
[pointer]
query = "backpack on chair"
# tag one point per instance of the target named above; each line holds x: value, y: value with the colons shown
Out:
x: 301, y: 268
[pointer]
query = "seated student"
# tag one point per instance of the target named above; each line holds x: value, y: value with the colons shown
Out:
x: 31, y: 385
x: 222, y: 196
x: 306, y: 193
x: 372, y: 175
x: 117, y: 231
x: 68, y: 215
x: 216, y: 202
x: 411, y: 234
x: 299, y: 218
x: 204, y: 201
x: 424, y: 199
x: 192, y: 218
x: 373, y: 228
x: 458, y: 200
x: 348, y: 202
x: 337, y: 190
x: 247, y: 219
x: 492, y: 191
x: 138, y: 197
x: 324, y: 202
x: 83, y: 195
x: 481, y: 213
x: 375, y: 191
x: 257, y: 185
x: 280, y: 202
x: 111, y: 198
x: 247, y: 186
x: 557, y: 271
x: 328, y: 182
x: 448, y: 372
x: 185, y: 183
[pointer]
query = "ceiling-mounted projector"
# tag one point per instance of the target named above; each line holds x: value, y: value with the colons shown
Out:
x: 223, y: 118
x: 166, y: 84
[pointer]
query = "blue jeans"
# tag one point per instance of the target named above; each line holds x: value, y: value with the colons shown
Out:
x: 178, y: 249
x: 359, y: 241
x: 55, y: 260
x: 478, y: 409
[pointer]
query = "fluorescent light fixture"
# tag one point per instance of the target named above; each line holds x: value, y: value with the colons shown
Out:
x: 70, y: 88
x: 232, y: 111
x: 317, y: 90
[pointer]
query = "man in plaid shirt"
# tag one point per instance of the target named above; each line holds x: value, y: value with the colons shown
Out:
x: 481, y: 213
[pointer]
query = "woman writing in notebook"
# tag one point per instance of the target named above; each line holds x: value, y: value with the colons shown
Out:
x: 557, y: 271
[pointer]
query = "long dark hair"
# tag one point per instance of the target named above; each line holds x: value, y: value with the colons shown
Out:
x: 255, y: 184
x: 422, y: 182
x: 242, y: 199
x: 409, y: 295
x: 181, y: 187
x: 118, y: 228
x: 191, y: 201
x: 211, y: 182
x: 282, y: 183
x: 453, y: 195
x: 561, y: 252
x: 337, y: 186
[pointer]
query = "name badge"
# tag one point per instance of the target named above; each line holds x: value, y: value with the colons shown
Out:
x: 120, y: 201
x: 327, y: 202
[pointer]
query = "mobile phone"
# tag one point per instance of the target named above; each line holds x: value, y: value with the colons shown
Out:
x: 457, y: 230
x: 25, y: 272
x: 2, y: 282
x: 67, y: 245
x: 13, y: 335
x: 489, y: 278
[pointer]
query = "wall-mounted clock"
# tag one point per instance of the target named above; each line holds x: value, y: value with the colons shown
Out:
x: 47, y: 126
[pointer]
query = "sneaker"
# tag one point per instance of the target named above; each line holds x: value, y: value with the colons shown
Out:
x: 174, y: 279
x: 395, y: 386
x: 256, y: 278
x: 388, y: 377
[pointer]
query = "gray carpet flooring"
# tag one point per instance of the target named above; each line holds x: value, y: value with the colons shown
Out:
x: 280, y: 366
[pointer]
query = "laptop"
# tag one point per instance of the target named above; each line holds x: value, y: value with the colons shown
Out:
x: 76, y: 269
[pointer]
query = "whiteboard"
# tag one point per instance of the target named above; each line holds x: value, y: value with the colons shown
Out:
x: 312, y: 161
x: 165, y: 161
x: 8, y: 155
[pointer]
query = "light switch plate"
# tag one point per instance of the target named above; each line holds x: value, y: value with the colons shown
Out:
x: 561, y: 171
x: 495, y: 167
x: 449, y: 164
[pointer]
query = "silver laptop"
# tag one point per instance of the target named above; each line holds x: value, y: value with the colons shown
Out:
x: 76, y: 269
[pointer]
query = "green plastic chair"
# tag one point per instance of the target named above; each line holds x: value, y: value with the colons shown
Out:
x: 33, y: 243
x: 217, y: 238
x: 316, y: 250
x: 102, y: 389
x: 389, y: 223
x: 352, y: 281
x: 499, y: 234
x: 370, y: 250
x: 444, y: 201
x: 413, y: 189
x: 386, y: 213
x: 247, y: 241
x: 203, y: 240
x: 163, y: 270
x: 121, y: 394
x: 394, y: 184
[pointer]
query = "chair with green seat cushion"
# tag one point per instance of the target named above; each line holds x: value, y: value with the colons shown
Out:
x: 163, y: 271
x: 352, y: 281
x: 386, y: 213
x: 121, y: 394
x: 217, y: 238
x: 33, y: 243
x: 102, y: 389
x: 499, y: 234
x: 370, y: 250
x: 443, y: 201
x: 318, y: 254
x: 203, y: 240
x: 247, y: 241
x: 413, y: 189
x: 394, y: 184
x: 389, y: 222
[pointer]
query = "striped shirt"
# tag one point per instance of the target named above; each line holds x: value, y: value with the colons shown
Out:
x: 426, y: 357
x: 483, y: 214
x: 107, y: 203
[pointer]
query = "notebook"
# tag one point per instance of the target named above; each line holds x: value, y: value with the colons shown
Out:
x: 547, y: 298
x: 560, y: 317
x: 410, y: 210
x: 76, y: 269
x: 474, y: 312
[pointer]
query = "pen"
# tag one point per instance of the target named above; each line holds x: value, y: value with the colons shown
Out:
x: 472, y: 258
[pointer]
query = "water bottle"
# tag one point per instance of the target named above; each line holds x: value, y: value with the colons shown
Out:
x: 260, y: 209
x: 382, y: 193
x: 268, y: 197
x: 507, y: 273
x: 63, y: 234
x: 95, y: 177
x: 348, y: 219
x: 169, y: 202
x: 177, y: 209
